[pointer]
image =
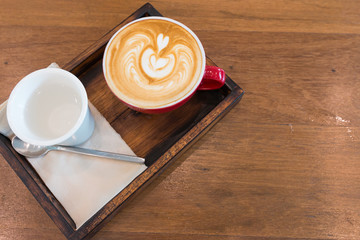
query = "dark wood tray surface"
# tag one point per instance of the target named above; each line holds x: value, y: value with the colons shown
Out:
x: 159, y: 138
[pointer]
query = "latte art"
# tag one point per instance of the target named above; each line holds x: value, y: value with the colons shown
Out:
x: 152, y: 63
x: 155, y: 65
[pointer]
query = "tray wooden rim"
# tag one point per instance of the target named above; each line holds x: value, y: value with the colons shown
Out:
x: 47, y: 200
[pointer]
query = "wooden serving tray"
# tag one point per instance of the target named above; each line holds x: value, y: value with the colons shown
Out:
x: 158, y: 138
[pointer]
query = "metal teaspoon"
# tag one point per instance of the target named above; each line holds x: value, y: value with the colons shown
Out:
x: 29, y: 150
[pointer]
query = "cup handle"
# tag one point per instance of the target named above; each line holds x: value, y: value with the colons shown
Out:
x: 214, y: 78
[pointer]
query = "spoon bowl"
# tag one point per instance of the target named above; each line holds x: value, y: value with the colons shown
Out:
x: 27, y: 149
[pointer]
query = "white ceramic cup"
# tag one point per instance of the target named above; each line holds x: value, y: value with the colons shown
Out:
x: 50, y: 107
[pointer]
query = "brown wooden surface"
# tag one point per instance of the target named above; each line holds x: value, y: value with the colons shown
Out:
x: 283, y: 164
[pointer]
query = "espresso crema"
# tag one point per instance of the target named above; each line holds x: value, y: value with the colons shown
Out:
x: 153, y: 63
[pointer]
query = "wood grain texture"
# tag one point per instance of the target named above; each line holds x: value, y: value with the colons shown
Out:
x: 283, y: 164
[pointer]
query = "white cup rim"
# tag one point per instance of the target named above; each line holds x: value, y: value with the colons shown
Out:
x: 203, y: 64
x: 12, y: 112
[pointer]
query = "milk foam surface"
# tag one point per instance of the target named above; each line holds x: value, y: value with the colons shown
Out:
x: 153, y: 63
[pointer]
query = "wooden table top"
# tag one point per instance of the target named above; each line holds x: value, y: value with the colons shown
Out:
x: 283, y: 164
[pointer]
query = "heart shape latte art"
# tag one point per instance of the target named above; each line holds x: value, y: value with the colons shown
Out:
x: 154, y: 64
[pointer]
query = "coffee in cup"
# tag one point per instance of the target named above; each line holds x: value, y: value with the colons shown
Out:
x: 155, y: 64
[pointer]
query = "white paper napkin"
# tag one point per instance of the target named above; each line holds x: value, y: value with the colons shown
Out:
x: 84, y: 184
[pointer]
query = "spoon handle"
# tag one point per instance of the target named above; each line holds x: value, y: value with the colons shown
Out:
x: 98, y: 153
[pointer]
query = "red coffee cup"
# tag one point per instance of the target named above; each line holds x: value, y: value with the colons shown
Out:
x: 210, y: 77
